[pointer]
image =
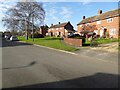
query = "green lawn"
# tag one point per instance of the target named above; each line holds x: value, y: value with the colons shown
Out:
x: 103, y: 41
x: 53, y: 42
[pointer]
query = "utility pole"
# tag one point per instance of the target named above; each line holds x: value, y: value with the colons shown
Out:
x: 26, y: 30
x: 33, y: 27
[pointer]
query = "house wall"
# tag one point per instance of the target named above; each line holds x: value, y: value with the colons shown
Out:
x: 43, y: 32
x: 57, y: 31
x: 75, y: 42
x: 111, y: 25
x: 69, y: 26
x: 61, y: 31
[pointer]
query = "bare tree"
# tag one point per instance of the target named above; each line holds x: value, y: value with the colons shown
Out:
x: 20, y: 16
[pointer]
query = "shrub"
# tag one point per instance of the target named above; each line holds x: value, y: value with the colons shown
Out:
x: 94, y: 43
x: 37, y: 35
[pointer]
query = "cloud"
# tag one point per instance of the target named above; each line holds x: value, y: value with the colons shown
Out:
x: 66, y: 12
x: 85, y: 2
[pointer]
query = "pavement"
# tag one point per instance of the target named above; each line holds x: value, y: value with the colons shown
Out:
x: 108, y: 52
x: 28, y: 66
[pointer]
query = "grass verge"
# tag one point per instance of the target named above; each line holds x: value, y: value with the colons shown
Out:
x: 53, y: 42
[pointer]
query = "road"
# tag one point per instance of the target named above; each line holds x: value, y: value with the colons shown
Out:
x: 28, y: 66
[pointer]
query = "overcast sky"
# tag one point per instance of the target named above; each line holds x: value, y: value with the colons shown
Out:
x: 64, y: 11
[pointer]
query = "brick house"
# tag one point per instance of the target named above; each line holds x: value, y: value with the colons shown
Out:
x: 61, y: 29
x: 102, y: 24
x: 43, y: 30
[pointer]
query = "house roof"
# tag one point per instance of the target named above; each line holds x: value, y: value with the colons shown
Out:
x: 102, y: 16
x: 59, y: 25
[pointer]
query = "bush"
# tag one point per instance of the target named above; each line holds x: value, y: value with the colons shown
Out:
x: 37, y: 35
x: 94, y: 43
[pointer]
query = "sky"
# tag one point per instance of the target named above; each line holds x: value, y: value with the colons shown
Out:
x: 64, y: 11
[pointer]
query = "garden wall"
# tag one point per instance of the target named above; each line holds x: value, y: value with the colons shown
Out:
x: 75, y: 42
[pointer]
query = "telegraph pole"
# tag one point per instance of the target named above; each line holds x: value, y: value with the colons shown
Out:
x: 33, y: 27
x: 26, y: 30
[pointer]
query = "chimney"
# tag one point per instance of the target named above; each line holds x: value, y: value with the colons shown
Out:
x: 51, y: 24
x: 83, y: 17
x: 99, y: 12
x: 58, y: 22
x: 68, y: 21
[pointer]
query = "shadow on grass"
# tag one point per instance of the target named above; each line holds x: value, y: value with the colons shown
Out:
x: 98, y: 80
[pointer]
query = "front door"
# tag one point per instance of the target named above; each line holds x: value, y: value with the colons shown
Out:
x: 101, y: 33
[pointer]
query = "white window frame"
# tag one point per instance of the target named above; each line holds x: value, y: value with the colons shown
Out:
x: 87, y: 24
x: 98, y: 22
x: 80, y: 25
x: 112, y: 31
x: 109, y: 20
x: 56, y: 28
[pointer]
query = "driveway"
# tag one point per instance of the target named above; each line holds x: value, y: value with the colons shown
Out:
x: 25, y: 65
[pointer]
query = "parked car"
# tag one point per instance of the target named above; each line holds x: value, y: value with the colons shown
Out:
x: 13, y: 38
x: 7, y: 37
x: 73, y: 35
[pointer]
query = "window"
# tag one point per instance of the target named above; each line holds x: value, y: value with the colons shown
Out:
x: 112, y: 31
x: 60, y: 28
x: 98, y: 22
x: 87, y: 24
x: 56, y: 28
x: 110, y: 20
x: 80, y: 25
x: 52, y: 29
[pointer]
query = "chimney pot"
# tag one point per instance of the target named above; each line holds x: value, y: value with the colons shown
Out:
x: 83, y: 17
x: 58, y: 22
x: 99, y: 11
x: 51, y: 24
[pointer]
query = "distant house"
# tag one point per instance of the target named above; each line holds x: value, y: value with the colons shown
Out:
x: 43, y: 30
x: 102, y: 24
x: 61, y: 29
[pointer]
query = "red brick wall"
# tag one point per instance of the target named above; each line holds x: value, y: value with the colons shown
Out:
x: 104, y: 23
x: 54, y: 31
x: 75, y: 42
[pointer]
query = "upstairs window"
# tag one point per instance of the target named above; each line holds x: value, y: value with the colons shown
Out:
x: 98, y: 22
x: 80, y: 25
x: 110, y: 20
x: 87, y: 24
